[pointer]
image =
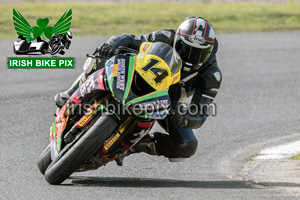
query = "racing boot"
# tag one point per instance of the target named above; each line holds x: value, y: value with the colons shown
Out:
x: 146, y: 145
x: 61, y: 98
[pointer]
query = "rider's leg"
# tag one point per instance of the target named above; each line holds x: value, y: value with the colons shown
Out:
x: 61, y: 98
x: 178, y: 145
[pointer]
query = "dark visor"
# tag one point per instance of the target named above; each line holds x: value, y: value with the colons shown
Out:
x: 192, y: 55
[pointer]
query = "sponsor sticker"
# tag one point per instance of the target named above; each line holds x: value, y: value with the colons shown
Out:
x: 159, y: 115
x: 152, y: 36
x: 175, y: 78
x: 152, y: 105
x: 141, y: 55
x: 85, y: 119
x: 109, y: 63
x: 87, y: 86
x: 214, y: 90
x: 115, y: 70
x: 145, y: 47
x: 111, y: 141
x: 88, y: 63
x: 109, y: 68
x: 121, y: 74
x: 109, y: 71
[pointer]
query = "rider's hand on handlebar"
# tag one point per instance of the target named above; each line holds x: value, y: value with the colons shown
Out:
x: 177, y: 118
x: 106, y: 50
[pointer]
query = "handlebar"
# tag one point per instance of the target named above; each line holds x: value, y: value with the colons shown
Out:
x: 94, y: 56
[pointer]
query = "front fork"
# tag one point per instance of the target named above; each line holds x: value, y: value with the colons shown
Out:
x: 88, y: 118
x: 128, y: 134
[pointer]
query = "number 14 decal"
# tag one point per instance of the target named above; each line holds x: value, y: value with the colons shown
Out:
x: 158, y: 72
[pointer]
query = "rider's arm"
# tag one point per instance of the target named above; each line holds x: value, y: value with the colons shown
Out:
x: 201, y: 108
x: 166, y: 36
x: 131, y: 41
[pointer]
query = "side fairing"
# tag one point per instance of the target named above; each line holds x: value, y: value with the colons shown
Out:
x: 57, y: 129
x: 94, y: 83
x: 119, y: 71
x: 152, y: 106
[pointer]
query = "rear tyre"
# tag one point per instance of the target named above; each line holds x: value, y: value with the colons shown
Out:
x: 61, y: 168
x: 44, y: 160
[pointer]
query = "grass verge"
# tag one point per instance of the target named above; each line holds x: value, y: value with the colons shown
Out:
x: 296, y: 157
x: 103, y: 19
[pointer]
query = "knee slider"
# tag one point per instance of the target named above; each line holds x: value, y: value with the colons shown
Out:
x: 187, y: 149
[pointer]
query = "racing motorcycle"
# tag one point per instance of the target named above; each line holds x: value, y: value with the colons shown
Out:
x: 88, y: 133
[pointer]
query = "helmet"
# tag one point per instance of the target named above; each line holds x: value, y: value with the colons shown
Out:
x: 194, y: 41
x: 69, y: 35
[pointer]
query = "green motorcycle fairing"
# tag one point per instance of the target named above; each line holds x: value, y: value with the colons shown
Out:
x: 120, y: 72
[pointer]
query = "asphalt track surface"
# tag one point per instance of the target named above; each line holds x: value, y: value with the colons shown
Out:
x: 258, y: 106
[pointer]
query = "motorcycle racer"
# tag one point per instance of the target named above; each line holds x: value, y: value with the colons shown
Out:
x: 201, y: 78
x: 62, y: 39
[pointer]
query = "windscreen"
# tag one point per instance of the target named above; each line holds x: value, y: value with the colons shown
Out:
x: 168, y: 54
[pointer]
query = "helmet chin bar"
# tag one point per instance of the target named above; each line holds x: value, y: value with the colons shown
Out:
x: 190, y: 67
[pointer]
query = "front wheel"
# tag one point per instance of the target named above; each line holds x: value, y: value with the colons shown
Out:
x: 61, y: 168
x: 45, y: 160
x: 55, y: 49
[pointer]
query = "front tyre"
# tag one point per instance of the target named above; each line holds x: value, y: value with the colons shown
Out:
x: 55, y: 49
x: 45, y: 160
x: 61, y: 168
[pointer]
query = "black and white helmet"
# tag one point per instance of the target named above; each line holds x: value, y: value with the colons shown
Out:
x: 69, y: 35
x: 194, y: 41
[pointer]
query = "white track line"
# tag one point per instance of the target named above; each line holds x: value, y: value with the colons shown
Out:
x: 279, y: 152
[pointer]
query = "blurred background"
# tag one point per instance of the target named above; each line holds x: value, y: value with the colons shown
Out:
x: 103, y: 18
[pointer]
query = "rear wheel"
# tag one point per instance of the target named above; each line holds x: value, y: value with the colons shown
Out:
x: 61, y: 168
x: 45, y: 160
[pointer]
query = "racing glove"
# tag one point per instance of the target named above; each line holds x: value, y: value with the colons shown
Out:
x: 106, y: 50
x: 177, y: 117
